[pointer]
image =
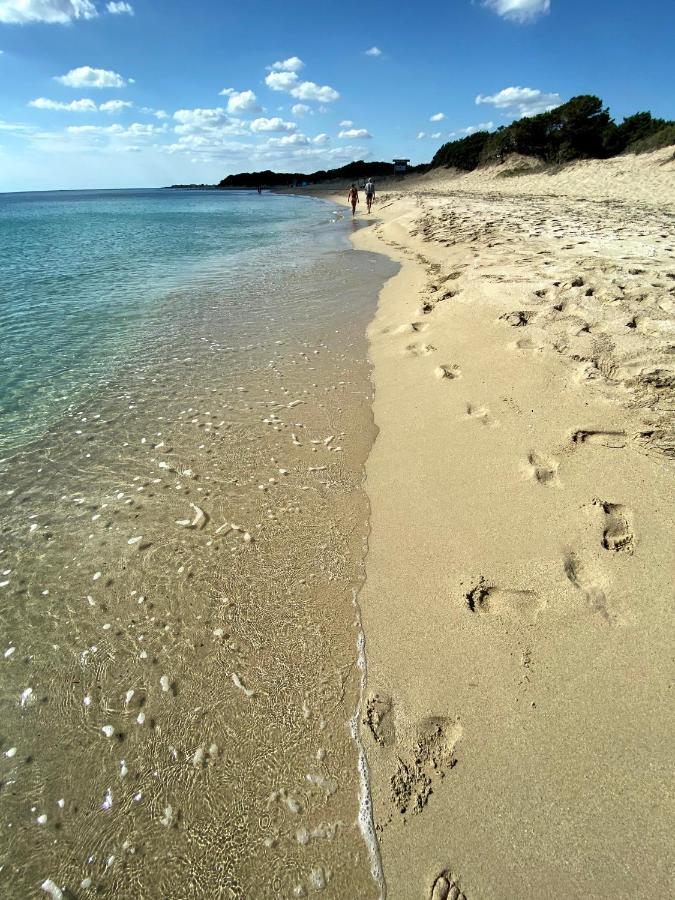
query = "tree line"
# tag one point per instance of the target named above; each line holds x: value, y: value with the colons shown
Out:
x: 352, y: 171
x: 582, y: 128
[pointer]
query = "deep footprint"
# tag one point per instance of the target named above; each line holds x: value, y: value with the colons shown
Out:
x: 449, y: 372
x: 446, y: 888
x: 518, y: 318
x: 486, y: 598
x: 614, y: 440
x: 618, y: 534
x: 430, y: 759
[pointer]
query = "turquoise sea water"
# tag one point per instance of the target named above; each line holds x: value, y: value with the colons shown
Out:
x: 92, y: 279
x: 184, y: 420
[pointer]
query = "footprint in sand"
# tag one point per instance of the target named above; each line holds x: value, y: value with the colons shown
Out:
x: 590, y: 584
x: 618, y: 533
x: 544, y: 469
x: 420, y: 349
x: 480, y: 414
x: 446, y: 888
x: 414, y: 327
x: 519, y: 318
x: 448, y: 372
x: 379, y: 719
x: 528, y: 344
x: 614, y: 440
x: 485, y: 598
x: 429, y: 760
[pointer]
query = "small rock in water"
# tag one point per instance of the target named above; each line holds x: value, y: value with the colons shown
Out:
x: 198, y: 759
x: 319, y: 878
x: 168, y: 818
x: 51, y: 888
x: 26, y: 695
x: 238, y: 683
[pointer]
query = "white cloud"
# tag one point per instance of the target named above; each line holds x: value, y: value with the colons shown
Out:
x: 435, y: 135
x: 519, y: 10
x: 281, y: 81
x: 300, y: 109
x: 16, y: 127
x: 292, y: 64
x: 136, y: 130
x: 520, y: 101
x: 157, y: 113
x: 201, y: 118
x: 119, y: 8
x: 211, y: 123
x: 289, y: 140
x: 321, y: 139
x: 85, y: 76
x: 346, y: 123
x: 273, y: 124
x: 437, y: 117
x: 308, y: 90
x: 421, y: 135
x: 355, y: 133
x: 301, y: 90
x: 374, y: 51
x: 240, y: 101
x: 115, y: 106
x: 55, y: 12
x: 471, y: 129
x: 83, y: 105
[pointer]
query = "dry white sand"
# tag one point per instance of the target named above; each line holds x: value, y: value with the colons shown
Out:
x: 518, y: 603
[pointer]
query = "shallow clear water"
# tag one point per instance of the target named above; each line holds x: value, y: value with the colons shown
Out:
x: 176, y: 695
x: 90, y: 278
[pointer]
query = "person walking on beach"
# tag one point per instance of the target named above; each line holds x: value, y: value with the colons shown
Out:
x: 370, y: 193
x: 353, y: 198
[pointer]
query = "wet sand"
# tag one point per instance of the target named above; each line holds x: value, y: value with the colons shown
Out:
x: 179, y: 668
x: 519, y: 591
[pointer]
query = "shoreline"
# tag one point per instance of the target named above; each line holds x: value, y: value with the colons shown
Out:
x: 180, y: 687
x: 509, y: 549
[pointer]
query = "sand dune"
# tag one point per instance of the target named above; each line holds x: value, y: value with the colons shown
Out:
x: 518, y: 602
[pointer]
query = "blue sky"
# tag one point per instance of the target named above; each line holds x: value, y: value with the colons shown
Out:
x: 108, y: 93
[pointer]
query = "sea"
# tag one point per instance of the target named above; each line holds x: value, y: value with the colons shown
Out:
x: 185, y: 415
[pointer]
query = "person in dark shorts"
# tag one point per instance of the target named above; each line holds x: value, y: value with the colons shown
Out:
x: 353, y: 198
x: 370, y: 193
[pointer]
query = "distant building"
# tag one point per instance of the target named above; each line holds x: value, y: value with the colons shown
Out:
x: 401, y: 166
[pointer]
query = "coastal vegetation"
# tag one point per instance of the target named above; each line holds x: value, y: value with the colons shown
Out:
x: 582, y: 128
x: 352, y: 171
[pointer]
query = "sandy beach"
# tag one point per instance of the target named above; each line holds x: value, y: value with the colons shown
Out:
x: 518, y: 599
